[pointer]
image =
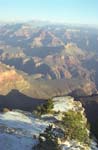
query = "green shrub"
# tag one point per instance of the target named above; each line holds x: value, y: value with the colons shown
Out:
x: 74, y: 126
x: 49, y: 142
x: 45, y: 108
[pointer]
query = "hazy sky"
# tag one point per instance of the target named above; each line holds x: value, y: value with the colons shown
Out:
x: 69, y: 11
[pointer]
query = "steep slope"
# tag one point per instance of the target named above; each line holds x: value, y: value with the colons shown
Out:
x: 12, y: 79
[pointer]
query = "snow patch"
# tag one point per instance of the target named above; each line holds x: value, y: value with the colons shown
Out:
x: 12, y: 142
x: 64, y: 104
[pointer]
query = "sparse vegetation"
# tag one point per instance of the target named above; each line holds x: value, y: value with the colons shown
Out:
x: 75, y: 127
x: 47, y: 140
x: 45, y: 108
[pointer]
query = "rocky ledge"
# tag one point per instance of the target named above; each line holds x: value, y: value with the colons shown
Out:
x: 21, y: 130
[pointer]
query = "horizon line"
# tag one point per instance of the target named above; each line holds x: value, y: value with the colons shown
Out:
x: 47, y: 21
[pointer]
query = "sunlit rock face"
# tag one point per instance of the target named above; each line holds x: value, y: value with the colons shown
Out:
x: 73, y: 145
x: 20, y: 130
x: 10, y: 79
x: 63, y: 104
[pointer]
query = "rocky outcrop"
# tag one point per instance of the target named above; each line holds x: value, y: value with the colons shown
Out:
x: 62, y: 105
x: 22, y: 129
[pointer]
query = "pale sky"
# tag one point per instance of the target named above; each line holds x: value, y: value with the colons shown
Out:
x: 69, y: 11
